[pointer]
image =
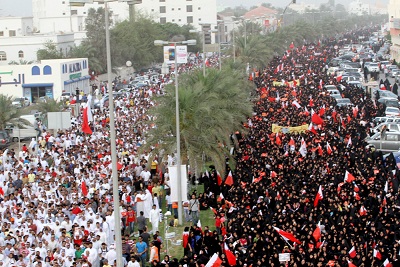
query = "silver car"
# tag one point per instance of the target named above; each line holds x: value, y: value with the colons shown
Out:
x: 385, y: 141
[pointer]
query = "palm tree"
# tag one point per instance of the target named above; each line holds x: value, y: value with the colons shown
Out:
x: 211, y: 108
x: 20, y: 62
x: 9, y: 114
x: 86, y: 50
x: 49, y: 105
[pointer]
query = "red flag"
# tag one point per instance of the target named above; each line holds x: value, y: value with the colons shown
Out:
x: 84, y: 189
x: 291, y: 142
x: 328, y: 148
x: 320, y: 152
x: 119, y: 166
x: 229, y: 179
x: 352, y: 252
x: 213, y: 210
x: 316, y: 119
x: 85, y: 123
x: 351, y: 264
x: 321, y: 111
x: 317, y: 232
x: 339, y: 78
x: 220, y: 197
x: 214, y: 261
x: 287, y: 236
x: 362, y: 211
x: 273, y: 174
x: 312, y: 129
x: 318, y: 197
x: 348, y: 177
x: 1, y: 191
x: 386, y: 263
x: 185, y: 238
x: 377, y: 254
x: 219, y: 179
x: 229, y: 256
x: 278, y: 140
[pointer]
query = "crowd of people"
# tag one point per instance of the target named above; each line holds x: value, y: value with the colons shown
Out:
x: 317, y: 192
x: 56, y: 194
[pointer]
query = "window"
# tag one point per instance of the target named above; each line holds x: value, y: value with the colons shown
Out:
x: 199, y: 8
x: 3, y: 56
x: 21, y: 54
x: 189, y: 8
x: 152, y: 10
x: 190, y: 19
x: 47, y: 70
x: 1, y: 33
x: 35, y: 70
x: 162, y: 9
x: 11, y: 33
x: 173, y: 20
x: 74, y: 12
x: 163, y: 20
x: 199, y: 19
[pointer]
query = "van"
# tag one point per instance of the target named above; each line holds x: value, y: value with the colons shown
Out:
x: 19, y: 134
x: 385, y: 141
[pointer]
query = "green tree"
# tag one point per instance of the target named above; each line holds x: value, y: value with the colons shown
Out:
x: 96, y: 34
x: 210, y: 109
x: 86, y: 50
x: 10, y: 114
x: 50, y: 51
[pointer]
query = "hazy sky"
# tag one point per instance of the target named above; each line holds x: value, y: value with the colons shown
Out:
x: 24, y: 7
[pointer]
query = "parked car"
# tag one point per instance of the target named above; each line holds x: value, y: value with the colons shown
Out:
x: 379, y: 120
x: 392, y: 111
x: 21, y: 133
x: 389, y: 102
x: 373, y: 67
x: 385, y: 141
x: 343, y: 102
x: 391, y: 127
x: 20, y: 102
x: 5, y: 139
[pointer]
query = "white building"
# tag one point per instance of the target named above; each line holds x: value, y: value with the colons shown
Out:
x: 49, y: 78
x: 18, y: 41
x: 394, y: 24
x: 303, y: 7
x: 358, y: 8
x: 59, y: 16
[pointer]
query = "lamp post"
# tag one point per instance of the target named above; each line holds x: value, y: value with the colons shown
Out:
x: 117, y: 215
x: 219, y: 22
x: 283, y: 13
x: 178, y: 134
x: 203, y: 33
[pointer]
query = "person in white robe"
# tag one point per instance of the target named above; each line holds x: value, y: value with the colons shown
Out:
x: 148, y: 203
x: 154, y: 219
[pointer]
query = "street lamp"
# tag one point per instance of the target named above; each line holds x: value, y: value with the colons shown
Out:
x: 219, y: 22
x: 283, y: 13
x: 117, y: 215
x: 178, y: 134
x: 203, y: 36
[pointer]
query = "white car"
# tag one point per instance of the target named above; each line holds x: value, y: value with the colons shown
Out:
x: 20, y: 102
x: 65, y: 96
x: 373, y: 67
x: 392, y: 111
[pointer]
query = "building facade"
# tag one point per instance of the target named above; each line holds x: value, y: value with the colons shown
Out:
x: 394, y: 25
x: 19, y: 41
x: 359, y: 8
x: 50, y: 78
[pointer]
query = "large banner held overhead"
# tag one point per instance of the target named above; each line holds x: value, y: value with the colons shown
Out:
x: 173, y: 178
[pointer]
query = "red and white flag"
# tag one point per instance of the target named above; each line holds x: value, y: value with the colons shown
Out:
x: 339, y: 78
x: 386, y: 189
x: 377, y: 254
x: 317, y: 232
x: 287, y: 236
x: 220, y: 197
x: 219, y: 179
x: 214, y: 261
x: 316, y: 119
x: 348, y: 177
x: 229, y: 256
x: 352, y: 252
x: 303, y: 148
x: 350, y: 264
x: 84, y: 189
x: 362, y: 211
x: 387, y: 263
x: 296, y: 104
x: 328, y: 148
x: 86, y: 117
x: 229, y: 179
x: 318, y: 197
x: 311, y: 128
x: 349, y: 142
